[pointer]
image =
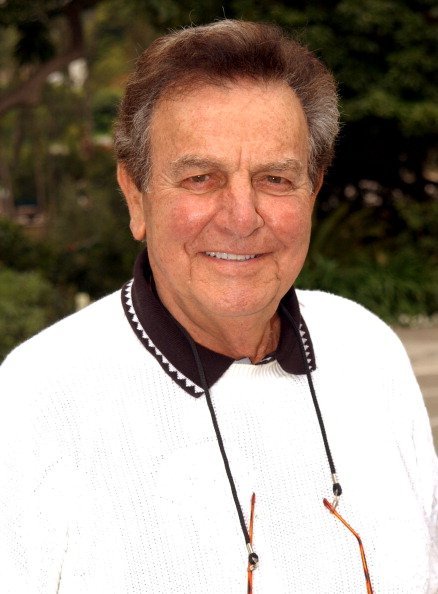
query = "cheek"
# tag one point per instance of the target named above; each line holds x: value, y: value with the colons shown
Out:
x: 180, y: 220
x: 291, y: 224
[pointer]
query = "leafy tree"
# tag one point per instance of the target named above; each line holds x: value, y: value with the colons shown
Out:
x: 26, y: 306
x: 375, y: 224
x: 48, y: 37
x: 91, y: 231
x: 19, y: 252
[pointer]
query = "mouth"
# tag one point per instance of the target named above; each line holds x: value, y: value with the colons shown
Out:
x: 234, y: 257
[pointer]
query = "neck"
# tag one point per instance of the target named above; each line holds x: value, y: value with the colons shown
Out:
x: 239, y: 339
x: 249, y: 336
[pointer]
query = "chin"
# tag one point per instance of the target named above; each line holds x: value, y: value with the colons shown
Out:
x: 240, y: 306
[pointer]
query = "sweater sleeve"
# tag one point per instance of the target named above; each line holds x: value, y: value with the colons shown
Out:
x: 33, y: 504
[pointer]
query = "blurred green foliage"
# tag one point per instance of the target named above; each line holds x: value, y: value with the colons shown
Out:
x: 376, y: 220
x: 27, y: 305
x: 400, y: 289
x: 354, y: 256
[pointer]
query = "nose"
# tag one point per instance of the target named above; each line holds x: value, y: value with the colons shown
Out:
x: 239, y: 212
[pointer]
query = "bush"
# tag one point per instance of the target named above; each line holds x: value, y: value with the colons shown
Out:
x: 382, y: 256
x: 19, y: 252
x: 28, y: 303
x: 395, y: 287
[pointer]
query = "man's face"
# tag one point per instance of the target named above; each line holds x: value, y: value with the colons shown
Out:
x: 227, y: 215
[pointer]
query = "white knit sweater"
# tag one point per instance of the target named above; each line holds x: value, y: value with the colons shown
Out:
x: 112, y: 480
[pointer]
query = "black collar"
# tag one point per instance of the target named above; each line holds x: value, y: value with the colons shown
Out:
x: 161, y: 335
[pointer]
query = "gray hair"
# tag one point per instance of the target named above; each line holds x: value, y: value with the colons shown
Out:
x: 218, y: 53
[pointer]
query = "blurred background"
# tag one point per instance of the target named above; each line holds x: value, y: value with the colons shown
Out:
x: 64, y: 236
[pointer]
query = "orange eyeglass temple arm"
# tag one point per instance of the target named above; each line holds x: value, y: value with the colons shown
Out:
x: 250, y: 532
x: 330, y: 507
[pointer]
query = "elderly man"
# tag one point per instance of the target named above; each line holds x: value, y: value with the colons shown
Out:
x: 209, y: 428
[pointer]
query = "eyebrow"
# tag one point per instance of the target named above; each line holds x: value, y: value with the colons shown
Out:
x: 286, y: 165
x: 185, y: 162
x: 180, y: 165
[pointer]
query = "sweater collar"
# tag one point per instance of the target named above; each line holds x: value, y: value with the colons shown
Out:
x: 161, y: 335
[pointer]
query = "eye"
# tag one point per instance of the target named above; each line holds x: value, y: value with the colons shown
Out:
x: 201, y: 183
x: 275, y: 179
x: 199, y: 179
x: 274, y: 184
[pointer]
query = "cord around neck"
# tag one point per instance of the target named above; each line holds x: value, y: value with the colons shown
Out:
x: 253, y: 558
x: 337, y: 489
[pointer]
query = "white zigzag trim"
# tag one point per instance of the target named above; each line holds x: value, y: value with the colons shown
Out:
x: 306, y: 347
x: 173, y: 371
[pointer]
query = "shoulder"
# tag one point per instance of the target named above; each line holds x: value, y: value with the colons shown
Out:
x: 343, y: 324
x: 320, y: 303
x: 332, y: 310
x: 69, y: 343
x: 354, y: 348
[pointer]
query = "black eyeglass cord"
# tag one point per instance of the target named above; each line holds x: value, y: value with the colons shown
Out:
x: 252, y: 556
x: 253, y: 559
x: 337, y: 489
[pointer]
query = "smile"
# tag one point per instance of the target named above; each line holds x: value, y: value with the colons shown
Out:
x: 225, y: 256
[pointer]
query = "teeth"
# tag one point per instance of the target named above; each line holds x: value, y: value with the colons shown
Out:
x: 224, y: 256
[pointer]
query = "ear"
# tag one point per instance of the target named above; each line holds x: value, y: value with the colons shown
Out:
x: 134, y: 200
x: 318, y: 183
x: 317, y: 186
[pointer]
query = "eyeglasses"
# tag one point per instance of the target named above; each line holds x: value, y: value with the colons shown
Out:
x: 332, y: 509
x: 250, y: 532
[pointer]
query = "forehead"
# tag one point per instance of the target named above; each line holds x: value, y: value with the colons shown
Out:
x: 246, y: 116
